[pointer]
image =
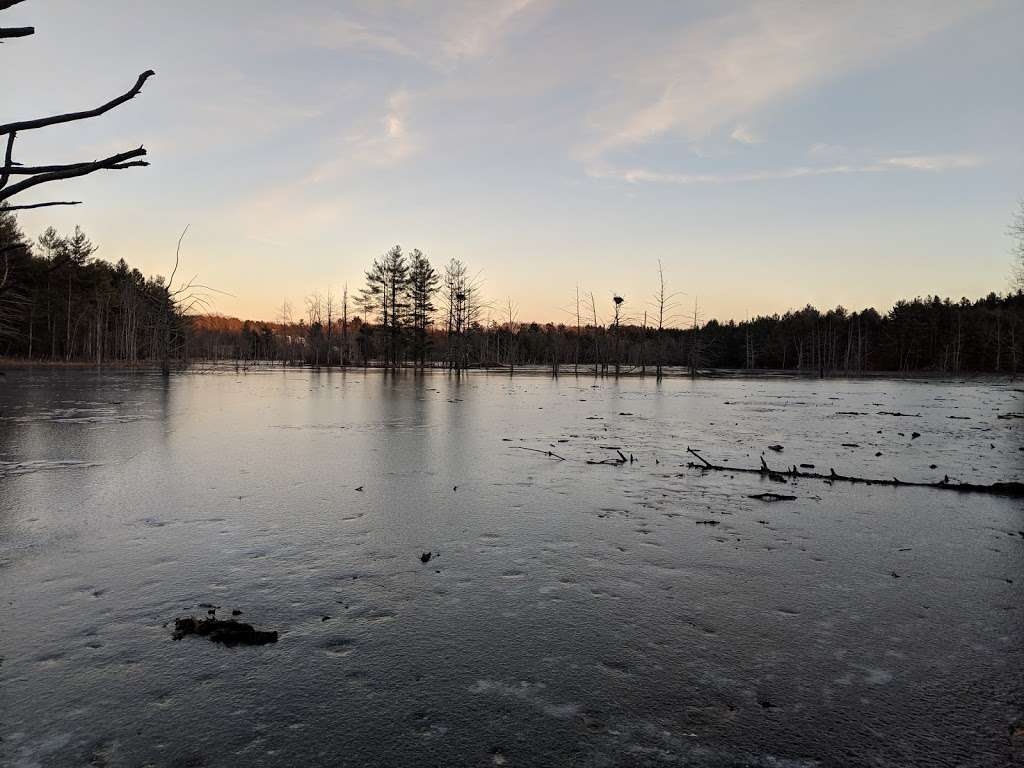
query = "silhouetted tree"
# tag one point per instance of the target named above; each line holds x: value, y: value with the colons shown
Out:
x: 423, y: 281
x: 617, y: 302
x: 1017, y: 233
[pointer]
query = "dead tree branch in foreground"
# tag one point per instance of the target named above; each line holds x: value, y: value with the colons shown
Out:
x: 50, y: 204
x: 46, y: 173
x: 1012, y: 489
x: 7, y: 32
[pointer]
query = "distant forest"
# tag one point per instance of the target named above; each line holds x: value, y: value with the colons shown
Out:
x: 58, y: 302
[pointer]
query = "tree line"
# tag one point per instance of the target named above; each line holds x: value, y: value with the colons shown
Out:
x: 58, y: 302
x: 410, y: 314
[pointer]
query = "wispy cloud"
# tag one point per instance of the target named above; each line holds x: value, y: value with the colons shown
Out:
x: 935, y: 162
x: 743, y: 135
x: 442, y: 35
x: 882, y: 165
x: 720, y: 70
x: 473, y: 28
x: 340, y: 33
x: 824, y: 150
x: 382, y: 143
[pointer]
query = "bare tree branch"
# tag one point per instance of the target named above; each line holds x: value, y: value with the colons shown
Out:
x: 71, y: 172
x: 7, y: 159
x: 30, y: 170
x: 42, y: 122
x: 177, y: 257
x: 16, y: 31
x: 41, y: 205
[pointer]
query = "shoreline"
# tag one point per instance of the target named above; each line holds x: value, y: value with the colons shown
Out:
x: 670, y: 372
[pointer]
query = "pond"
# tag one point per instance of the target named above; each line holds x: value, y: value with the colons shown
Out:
x: 571, y: 613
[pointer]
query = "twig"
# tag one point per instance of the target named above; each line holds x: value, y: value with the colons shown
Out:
x: 552, y: 454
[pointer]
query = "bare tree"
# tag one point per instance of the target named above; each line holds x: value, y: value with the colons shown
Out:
x: 617, y: 302
x: 643, y: 346
x: 1017, y: 233
x: 576, y: 360
x: 176, y: 303
x: 42, y: 174
x: 596, y: 324
x: 664, y: 304
x: 314, y: 312
x: 513, y: 333
x: 285, y: 319
x: 696, y: 350
x: 344, y: 326
x: 464, y: 306
x: 329, y: 306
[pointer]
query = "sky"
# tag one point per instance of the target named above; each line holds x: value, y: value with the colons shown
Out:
x: 769, y: 154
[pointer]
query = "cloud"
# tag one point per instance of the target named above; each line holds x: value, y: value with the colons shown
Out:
x: 935, y: 162
x: 904, y: 163
x: 382, y: 143
x: 343, y: 34
x: 475, y: 28
x: 743, y: 135
x: 441, y: 34
x: 825, y: 150
x: 636, y: 175
x: 722, y: 69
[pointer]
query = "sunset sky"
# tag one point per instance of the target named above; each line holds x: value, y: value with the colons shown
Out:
x: 771, y: 154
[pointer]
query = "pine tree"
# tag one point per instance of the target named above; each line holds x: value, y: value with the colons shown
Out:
x: 423, y: 283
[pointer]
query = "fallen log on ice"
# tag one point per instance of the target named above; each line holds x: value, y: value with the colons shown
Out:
x: 1012, y: 489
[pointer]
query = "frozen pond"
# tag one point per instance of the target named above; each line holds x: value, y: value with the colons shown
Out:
x: 576, y: 614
